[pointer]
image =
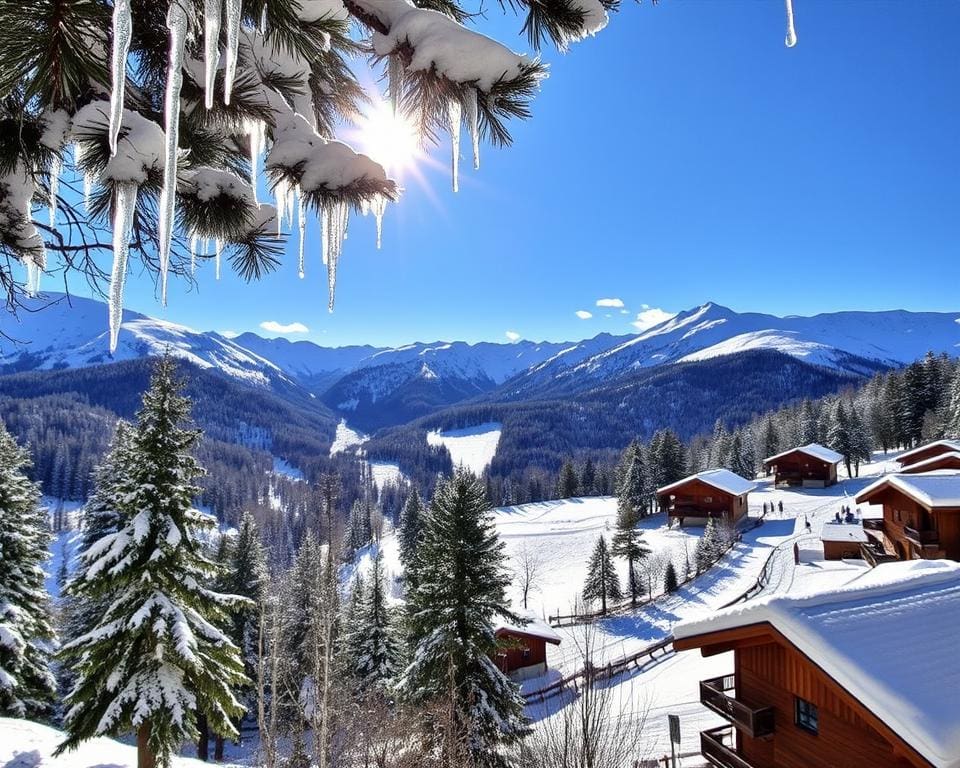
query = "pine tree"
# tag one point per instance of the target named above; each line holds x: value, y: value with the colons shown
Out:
x: 602, y: 582
x: 952, y: 426
x: 568, y: 485
x: 670, y: 583
x: 450, y: 613
x: 628, y: 543
x: 410, y: 528
x: 710, y: 546
x: 27, y: 687
x: 374, y: 649
x: 632, y: 493
x: 839, y: 437
x: 155, y: 659
x: 588, y: 478
x: 359, y: 532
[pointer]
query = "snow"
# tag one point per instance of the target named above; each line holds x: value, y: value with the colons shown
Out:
x: 812, y: 449
x: 843, y: 532
x: 535, y: 627
x: 286, y: 469
x: 25, y: 744
x: 721, y: 479
x: 939, y: 488
x: 346, y: 438
x: 386, y: 473
x: 929, y: 464
x: 849, y: 631
x: 472, y: 447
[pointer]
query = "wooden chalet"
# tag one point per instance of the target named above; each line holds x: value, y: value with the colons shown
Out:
x: 822, y: 680
x: 941, y: 461
x: 841, y: 541
x: 716, y: 493
x: 809, y: 466
x: 927, y: 451
x: 522, y: 651
x: 921, y: 517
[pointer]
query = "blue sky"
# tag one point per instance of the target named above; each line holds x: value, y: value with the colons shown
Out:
x: 681, y: 156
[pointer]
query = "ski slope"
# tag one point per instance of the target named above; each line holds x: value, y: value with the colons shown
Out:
x: 472, y: 447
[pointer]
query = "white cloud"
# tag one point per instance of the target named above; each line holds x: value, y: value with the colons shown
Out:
x: 512, y: 335
x: 650, y: 317
x: 229, y: 334
x: 615, y: 303
x: 583, y: 314
x: 624, y: 311
x: 272, y: 326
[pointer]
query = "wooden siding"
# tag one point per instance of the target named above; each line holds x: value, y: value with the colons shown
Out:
x: 696, y: 498
x: 797, y: 466
x: 922, y: 454
x: 901, y: 511
x: 841, y: 550
x: 944, y: 461
x: 775, y: 675
x: 518, y: 651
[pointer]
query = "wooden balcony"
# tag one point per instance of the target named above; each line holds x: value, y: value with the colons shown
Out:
x: 717, y: 746
x: 875, y: 554
x: 756, y: 722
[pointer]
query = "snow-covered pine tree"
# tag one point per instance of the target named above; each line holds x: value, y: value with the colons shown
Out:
x: 374, y: 649
x: 588, y: 478
x: 102, y: 516
x: 450, y: 613
x: 709, y: 546
x: 952, y: 425
x: 632, y: 493
x: 670, y: 582
x: 156, y: 657
x: 27, y: 687
x: 603, y: 583
x: 568, y: 484
x: 628, y: 543
x: 358, y: 533
x: 410, y: 527
x: 839, y: 437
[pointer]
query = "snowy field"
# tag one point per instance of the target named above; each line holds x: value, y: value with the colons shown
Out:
x: 346, y: 438
x: 472, y: 447
x: 385, y: 473
x: 30, y: 745
x: 286, y: 469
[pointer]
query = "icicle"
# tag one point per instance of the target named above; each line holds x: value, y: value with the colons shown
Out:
x: 194, y: 245
x: 122, y: 32
x: 87, y: 189
x: 325, y: 233
x: 394, y: 78
x: 339, y: 213
x: 124, y: 209
x: 379, y: 208
x: 791, y: 39
x: 455, y: 116
x: 177, y: 24
x: 255, y: 132
x: 234, y: 10
x: 473, y: 124
x: 212, y: 10
x: 301, y: 224
x: 219, y: 247
x: 56, y: 166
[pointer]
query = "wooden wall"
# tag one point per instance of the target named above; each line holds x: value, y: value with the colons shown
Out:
x: 708, y: 500
x: 511, y: 655
x: 800, y: 466
x: 900, y: 510
x: 772, y: 675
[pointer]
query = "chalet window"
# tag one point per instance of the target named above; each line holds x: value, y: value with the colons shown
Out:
x: 805, y: 715
x: 708, y: 499
x: 526, y: 654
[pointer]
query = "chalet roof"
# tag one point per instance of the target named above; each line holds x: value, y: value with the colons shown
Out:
x: 722, y: 479
x: 939, y: 488
x: 535, y: 628
x: 950, y: 445
x: 926, y: 464
x: 843, y: 532
x: 851, y: 632
x: 811, y: 449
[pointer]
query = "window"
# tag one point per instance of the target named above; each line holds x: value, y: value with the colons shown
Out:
x: 708, y: 499
x: 805, y: 716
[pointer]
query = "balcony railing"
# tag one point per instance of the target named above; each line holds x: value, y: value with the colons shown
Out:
x: 716, y: 745
x: 875, y: 554
x: 922, y: 538
x: 753, y: 721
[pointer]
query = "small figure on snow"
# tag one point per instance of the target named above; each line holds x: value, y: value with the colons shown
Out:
x: 780, y: 505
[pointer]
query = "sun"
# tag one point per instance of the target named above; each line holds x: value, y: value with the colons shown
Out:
x: 389, y: 138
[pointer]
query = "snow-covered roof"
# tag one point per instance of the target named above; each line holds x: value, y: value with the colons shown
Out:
x: 812, y: 449
x: 722, y: 479
x: 534, y: 628
x: 939, y: 488
x: 950, y: 445
x: 927, y: 464
x: 851, y: 632
x: 843, y: 532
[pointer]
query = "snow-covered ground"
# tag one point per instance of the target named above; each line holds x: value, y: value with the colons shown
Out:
x: 386, y: 473
x: 24, y: 744
x: 471, y: 447
x: 286, y: 469
x: 346, y: 438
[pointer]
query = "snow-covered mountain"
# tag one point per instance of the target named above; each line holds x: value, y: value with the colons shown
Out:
x: 59, y: 333
x: 851, y: 342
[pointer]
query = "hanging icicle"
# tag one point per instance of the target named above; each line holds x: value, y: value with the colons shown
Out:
x: 122, y: 32
x: 212, y: 11
x: 473, y: 124
x: 394, y: 79
x: 194, y: 245
x: 455, y: 117
x: 256, y: 134
x: 791, y: 39
x: 125, y: 206
x: 325, y: 234
x: 177, y: 24
x: 219, y: 251
x: 56, y: 167
x: 301, y: 225
x: 379, y: 206
x: 337, y: 220
x: 234, y: 13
